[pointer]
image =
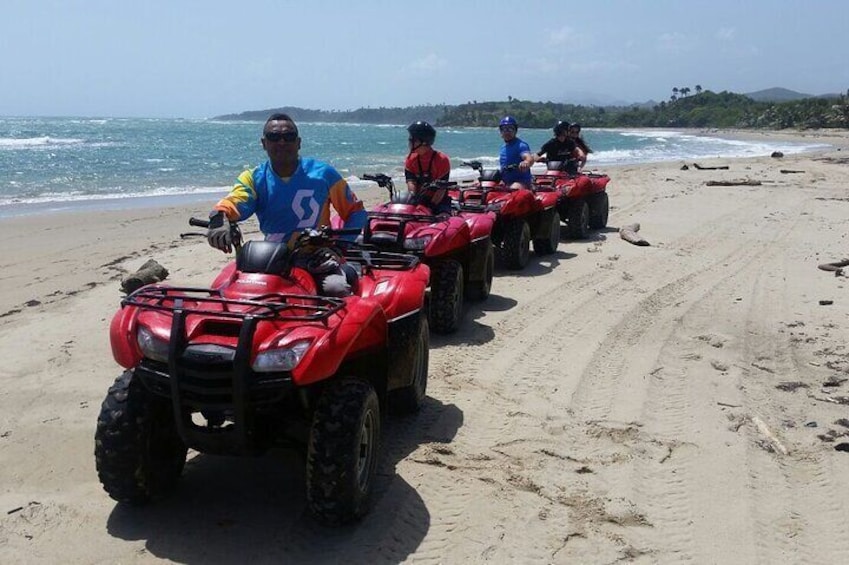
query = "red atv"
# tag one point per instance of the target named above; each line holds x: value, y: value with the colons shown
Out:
x: 457, y: 248
x: 583, y: 200
x: 260, y: 360
x: 522, y: 215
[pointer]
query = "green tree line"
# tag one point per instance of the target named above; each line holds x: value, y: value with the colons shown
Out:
x: 683, y: 110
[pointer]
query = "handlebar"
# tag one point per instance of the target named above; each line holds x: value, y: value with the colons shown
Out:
x: 198, y: 223
x: 380, y: 178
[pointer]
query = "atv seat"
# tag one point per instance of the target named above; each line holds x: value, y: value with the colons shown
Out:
x: 491, y: 174
x: 570, y: 166
x: 405, y: 197
x: 263, y: 257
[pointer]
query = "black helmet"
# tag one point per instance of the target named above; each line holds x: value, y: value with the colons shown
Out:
x: 561, y: 127
x: 422, y: 131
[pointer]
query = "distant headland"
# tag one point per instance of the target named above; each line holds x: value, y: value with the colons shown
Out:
x: 774, y: 108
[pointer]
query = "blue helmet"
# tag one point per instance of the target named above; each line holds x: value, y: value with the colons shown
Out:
x: 508, y: 121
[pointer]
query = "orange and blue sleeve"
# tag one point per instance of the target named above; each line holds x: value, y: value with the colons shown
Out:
x: 345, y: 202
x: 241, y: 202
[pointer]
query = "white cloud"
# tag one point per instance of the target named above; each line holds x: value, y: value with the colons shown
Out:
x: 674, y: 42
x: 561, y: 36
x: 598, y: 66
x: 430, y: 63
x: 726, y: 34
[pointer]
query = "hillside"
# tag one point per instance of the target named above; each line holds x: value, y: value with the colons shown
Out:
x: 705, y: 108
x: 777, y: 94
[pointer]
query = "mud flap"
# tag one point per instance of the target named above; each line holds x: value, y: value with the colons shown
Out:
x: 478, y: 252
x: 403, y: 336
x: 542, y: 225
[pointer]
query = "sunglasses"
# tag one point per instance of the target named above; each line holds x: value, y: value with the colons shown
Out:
x: 508, y: 128
x: 287, y: 136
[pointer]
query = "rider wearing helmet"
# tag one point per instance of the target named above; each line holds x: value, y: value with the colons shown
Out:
x: 424, y: 165
x: 514, y: 152
x: 560, y: 148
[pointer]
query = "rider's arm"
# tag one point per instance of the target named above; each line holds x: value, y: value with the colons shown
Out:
x: 346, y: 204
x: 527, y: 157
x: 241, y: 202
x: 580, y: 157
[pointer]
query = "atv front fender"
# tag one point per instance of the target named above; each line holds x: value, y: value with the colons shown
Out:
x: 363, y: 329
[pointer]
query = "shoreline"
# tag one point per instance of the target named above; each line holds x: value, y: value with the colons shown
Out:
x: 835, y: 139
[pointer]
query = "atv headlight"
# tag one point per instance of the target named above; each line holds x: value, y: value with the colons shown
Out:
x: 283, y: 359
x: 151, y: 346
x: 417, y: 243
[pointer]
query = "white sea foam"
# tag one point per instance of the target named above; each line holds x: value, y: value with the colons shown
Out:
x: 44, y: 141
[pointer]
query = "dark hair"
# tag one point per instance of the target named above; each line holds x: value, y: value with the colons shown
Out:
x: 281, y: 117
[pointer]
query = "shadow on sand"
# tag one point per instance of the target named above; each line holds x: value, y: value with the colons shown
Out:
x: 253, y: 510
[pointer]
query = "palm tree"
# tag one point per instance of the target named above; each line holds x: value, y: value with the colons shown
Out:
x: 698, y: 89
x: 685, y: 91
x: 675, y: 92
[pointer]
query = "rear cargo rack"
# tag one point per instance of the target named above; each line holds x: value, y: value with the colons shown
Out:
x: 208, y: 301
x: 401, y: 219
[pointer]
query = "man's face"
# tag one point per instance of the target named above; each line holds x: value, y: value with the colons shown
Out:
x: 280, y: 140
x: 507, y: 132
x: 573, y: 132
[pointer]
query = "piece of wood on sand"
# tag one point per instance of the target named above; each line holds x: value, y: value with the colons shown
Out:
x: 149, y: 273
x: 722, y: 168
x: 789, y: 171
x: 744, y: 182
x: 629, y: 234
x: 770, y: 437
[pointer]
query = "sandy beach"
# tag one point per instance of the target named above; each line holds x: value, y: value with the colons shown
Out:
x: 687, y: 401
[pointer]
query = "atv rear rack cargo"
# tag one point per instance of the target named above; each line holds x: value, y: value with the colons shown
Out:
x: 397, y: 219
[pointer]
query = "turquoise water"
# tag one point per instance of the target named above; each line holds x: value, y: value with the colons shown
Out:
x: 55, y: 163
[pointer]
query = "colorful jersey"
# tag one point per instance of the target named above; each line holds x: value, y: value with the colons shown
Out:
x: 512, y: 153
x: 284, y: 208
x: 434, y: 165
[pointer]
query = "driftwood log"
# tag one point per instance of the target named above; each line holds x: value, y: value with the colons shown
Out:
x: 789, y: 171
x: 836, y: 267
x: 699, y: 167
x: 629, y: 234
x: 150, y: 272
x: 746, y: 182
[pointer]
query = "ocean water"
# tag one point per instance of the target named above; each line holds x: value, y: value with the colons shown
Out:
x: 52, y: 164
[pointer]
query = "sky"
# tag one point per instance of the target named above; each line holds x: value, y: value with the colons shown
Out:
x: 202, y: 58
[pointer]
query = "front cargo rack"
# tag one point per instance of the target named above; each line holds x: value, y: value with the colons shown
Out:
x: 210, y: 302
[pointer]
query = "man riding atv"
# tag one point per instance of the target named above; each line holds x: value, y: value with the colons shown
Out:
x: 289, y: 194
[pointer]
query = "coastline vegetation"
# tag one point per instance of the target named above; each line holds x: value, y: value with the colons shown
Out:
x: 703, y: 109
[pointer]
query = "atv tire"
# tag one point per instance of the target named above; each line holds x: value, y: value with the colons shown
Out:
x: 138, y: 453
x: 517, y: 244
x: 480, y: 290
x: 343, y: 451
x: 446, y: 296
x: 599, y: 209
x: 409, y: 399
x: 547, y: 246
x: 579, y: 219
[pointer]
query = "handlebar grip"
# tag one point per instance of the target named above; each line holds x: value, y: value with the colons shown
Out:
x: 197, y: 222
x: 367, y: 176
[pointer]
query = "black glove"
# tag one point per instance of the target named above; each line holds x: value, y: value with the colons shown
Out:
x: 218, y: 233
